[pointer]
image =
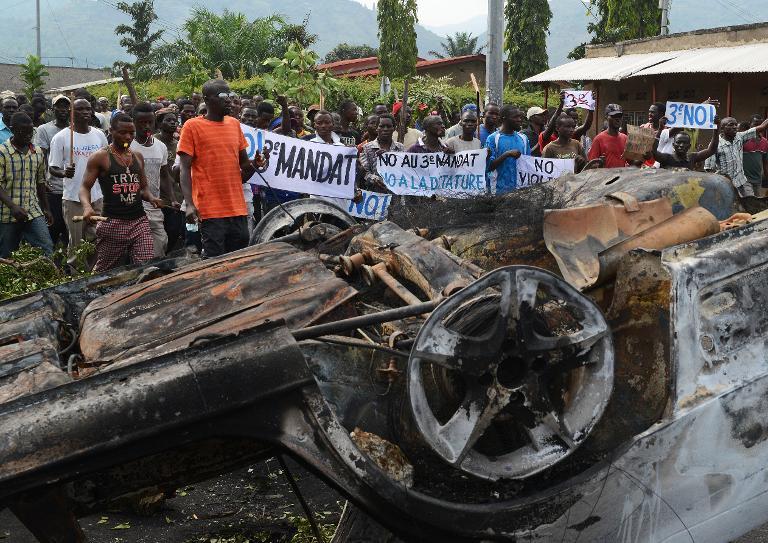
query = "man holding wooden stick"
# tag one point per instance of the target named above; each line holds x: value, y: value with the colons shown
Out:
x: 120, y: 173
x: 69, y: 153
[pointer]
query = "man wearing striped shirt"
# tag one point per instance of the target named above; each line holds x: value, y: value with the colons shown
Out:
x: 24, y: 213
x: 729, y: 159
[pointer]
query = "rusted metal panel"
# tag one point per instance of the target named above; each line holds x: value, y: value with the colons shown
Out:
x: 413, y: 258
x: 494, y: 249
x: 221, y: 296
x: 576, y: 236
x: 29, y: 366
x: 684, y: 189
x: 640, y: 323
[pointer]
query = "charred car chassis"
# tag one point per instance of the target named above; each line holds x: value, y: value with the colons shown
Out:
x: 598, y: 375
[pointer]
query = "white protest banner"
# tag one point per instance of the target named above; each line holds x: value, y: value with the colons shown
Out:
x: 301, y: 166
x: 684, y: 115
x: 533, y: 170
x: 577, y: 98
x: 372, y: 205
x: 458, y: 175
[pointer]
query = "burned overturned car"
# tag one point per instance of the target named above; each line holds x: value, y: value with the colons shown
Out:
x: 585, y: 361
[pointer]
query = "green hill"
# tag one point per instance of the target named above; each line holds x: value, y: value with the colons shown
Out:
x: 84, y: 29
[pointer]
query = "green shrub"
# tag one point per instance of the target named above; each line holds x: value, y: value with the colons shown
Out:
x: 364, y: 91
x: 29, y: 270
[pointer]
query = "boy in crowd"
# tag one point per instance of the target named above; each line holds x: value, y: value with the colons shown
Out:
x: 505, y: 147
x: 155, y: 157
x: 565, y: 147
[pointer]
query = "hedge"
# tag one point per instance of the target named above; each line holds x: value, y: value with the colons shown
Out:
x: 364, y: 91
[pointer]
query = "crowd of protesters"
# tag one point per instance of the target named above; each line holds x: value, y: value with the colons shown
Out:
x: 144, y: 179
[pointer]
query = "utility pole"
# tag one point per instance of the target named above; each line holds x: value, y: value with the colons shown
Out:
x: 37, y: 31
x: 664, y: 6
x: 494, y: 59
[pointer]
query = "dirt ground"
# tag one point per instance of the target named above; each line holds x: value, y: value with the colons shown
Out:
x: 250, y: 505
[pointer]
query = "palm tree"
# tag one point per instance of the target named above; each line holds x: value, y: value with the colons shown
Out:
x: 459, y: 45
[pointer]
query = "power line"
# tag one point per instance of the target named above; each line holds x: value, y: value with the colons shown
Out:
x: 63, y: 36
x: 736, y: 10
x: 161, y: 22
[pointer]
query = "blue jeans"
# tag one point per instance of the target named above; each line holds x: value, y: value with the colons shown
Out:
x: 34, y: 232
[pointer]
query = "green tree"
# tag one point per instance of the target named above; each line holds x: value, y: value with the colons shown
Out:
x: 195, y: 73
x: 290, y: 33
x: 296, y: 76
x: 459, y: 45
x: 397, y: 37
x: 618, y: 20
x: 631, y: 19
x: 525, y: 38
x: 230, y: 42
x: 137, y: 38
x: 345, y: 51
x: 33, y: 73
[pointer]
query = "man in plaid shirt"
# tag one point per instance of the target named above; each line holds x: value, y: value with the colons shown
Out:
x: 729, y: 159
x: 24, y: 213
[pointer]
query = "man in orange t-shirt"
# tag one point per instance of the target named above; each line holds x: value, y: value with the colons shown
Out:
x: 214, y: 165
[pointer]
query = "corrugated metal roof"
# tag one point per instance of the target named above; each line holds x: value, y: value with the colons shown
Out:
x: 751, y: 58
x: 83, y: 85
x: 603, y: 68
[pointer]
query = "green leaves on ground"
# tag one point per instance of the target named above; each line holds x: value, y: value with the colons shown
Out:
x: 29, y: 270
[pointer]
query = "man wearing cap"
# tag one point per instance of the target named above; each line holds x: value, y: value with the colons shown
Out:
x: 104, y: 106
x: 412, y: 136
x: 535, y: 116
x: 54, y: 185
x: 8, y: 108
x: 456, y: 130
x: 609, y: 145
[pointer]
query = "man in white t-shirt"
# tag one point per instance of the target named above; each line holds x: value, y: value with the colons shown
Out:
x: 155, y: 155
x: 55, y: 185
x: 87, y: 140
x: 467, y: 141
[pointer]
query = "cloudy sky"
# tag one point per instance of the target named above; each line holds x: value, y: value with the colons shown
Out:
x: 444, y: 12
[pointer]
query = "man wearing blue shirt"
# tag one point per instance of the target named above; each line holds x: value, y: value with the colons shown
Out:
x: 505, y: 147
x: 8, y: 108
